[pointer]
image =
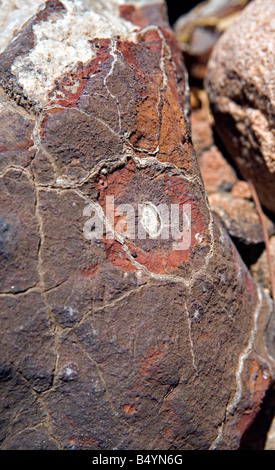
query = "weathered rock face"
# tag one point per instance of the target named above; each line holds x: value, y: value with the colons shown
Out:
x: 243, y: 99
x: 116, y: 341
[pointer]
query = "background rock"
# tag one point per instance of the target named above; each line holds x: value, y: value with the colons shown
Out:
x: 229, y: 196
x: 270, y: 441
x: 261, y: 269
x: 240, y: 217
x: 242, y: 98
x: 198, y: 31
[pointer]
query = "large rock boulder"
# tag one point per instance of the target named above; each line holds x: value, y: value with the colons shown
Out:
x: 115, y: 336
x: 240, y: 85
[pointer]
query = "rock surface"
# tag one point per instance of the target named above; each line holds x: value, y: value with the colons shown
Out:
x: 243, y: 97
x: 229, y: 197
x: 261, y: 269
x: 117, y: 341
x: 240, y: 218
x: 270, y: 441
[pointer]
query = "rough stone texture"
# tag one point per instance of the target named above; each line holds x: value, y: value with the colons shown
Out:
x: 240, y: 217
x: 243, y: 98
x: 229, y: 197
x: 201, y: 130
x: 116, y: 342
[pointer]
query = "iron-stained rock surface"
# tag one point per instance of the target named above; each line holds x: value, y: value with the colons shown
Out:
x: 242, y: 97
x: 117, y: 341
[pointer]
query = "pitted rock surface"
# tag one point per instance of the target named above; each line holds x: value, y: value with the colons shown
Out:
x: 117, y: 342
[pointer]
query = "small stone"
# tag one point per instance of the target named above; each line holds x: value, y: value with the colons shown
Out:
x: 216, y: 171
x: 241, y: 190
x: 240, y: 218
x: 201, y: 129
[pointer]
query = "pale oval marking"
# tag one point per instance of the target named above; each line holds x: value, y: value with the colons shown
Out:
x: 151, y: 219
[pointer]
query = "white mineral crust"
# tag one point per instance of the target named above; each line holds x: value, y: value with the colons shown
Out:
x: 62, y: 41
